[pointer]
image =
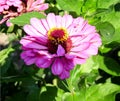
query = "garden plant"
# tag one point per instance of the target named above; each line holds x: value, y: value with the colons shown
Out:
x: 60, y: 50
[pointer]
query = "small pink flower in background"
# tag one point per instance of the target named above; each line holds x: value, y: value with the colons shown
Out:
x: 59, y: 43
x: 13, y: 8
x: 36, y: 5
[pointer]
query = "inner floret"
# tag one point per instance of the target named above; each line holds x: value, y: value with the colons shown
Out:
x: 58, y: 36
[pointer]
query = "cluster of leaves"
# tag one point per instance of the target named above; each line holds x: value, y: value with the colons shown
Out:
x: 96, y: 80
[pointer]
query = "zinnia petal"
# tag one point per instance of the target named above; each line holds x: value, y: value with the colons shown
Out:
x: 60, y: 51
x: 43, y: 62
x: 65, y: 74
x: 38, y: 25
x: 57, y: 67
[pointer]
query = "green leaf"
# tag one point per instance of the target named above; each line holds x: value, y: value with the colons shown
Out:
x: 71, y: 5
x: 5, y: 59
x: 59, y: 96
x: 72, y: 97
x: 116, y: 36
x: 25, y: 18
x: 109, y: 65
x: 74, y: 78
x: 114, y: 19
x: 107, y: 31
x: 89, y: 65
x: 106, y: 3
x: 89, y: 7
x: 102, y: 92
x: 78, y: 72
x: 34, y: 94
x: 48, y: 93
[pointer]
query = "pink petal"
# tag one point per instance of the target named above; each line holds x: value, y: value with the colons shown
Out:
x: 79, y: 60
x: 88, y: 29
x: 64, y: 75
x: 57, y: 67
x: 43, y: 62
x: 81, y: 54
x: 76, y: 40
x: 67, y: 20
x: 92, y: 50
x: 31, y: 44
x: 32, y: 31
x: 29, y: 60
x: 58, y: 21
x: 69, y: 56
x: 68, y: 64
x: 60, y: 51
x: 45, y: 24
x: 80, y: 47
x: 23, y: 55
x: 36, y: 23
x: 40, y: 40
x: 44, y: 53
x: 43, y: 7
x: 51, y: 20
x: 27, y: 53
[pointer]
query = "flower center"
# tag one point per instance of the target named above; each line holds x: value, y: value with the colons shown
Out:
x: 12, y: 9
x: 58, y: 36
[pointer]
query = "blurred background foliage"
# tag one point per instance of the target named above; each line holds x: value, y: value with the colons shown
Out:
x: 96, y: 80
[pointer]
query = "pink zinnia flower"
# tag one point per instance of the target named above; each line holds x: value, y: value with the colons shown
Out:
x: 12, y: 8
x: 59, y: 43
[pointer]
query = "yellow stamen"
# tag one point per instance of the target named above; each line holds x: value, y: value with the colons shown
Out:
x: 53, y: 33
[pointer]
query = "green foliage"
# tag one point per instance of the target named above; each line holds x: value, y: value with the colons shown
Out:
x: 109, y: 65
x: 5, y: 60
x: 106, y: 3
x: 72, y: 5
x: 25, y: 18
x: 93, y: 81
x: 102, y: 92
x: 107, y: 31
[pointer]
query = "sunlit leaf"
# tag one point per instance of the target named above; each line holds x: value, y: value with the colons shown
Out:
x: 102, y: 92
x: 106, y: 3
x: 25, y: 18
x: 107, y: 31
x: 71, y: 5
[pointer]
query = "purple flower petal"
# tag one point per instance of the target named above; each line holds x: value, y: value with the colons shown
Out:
x: 30, y: 60
x: 36, y: 23
x: 57, y: 67
x: 64, y: 75
x: 31, y: 44
x: 60, y: 51
x: 43, y: 62
x: 68, y: 64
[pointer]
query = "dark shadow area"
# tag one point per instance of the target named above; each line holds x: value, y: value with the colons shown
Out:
x: 117, y: 7
x: 117, y: 98
x: 114, y: 52
x: 104, y: 76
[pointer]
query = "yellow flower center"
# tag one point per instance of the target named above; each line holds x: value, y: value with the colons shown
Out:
x: 57, y: 35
